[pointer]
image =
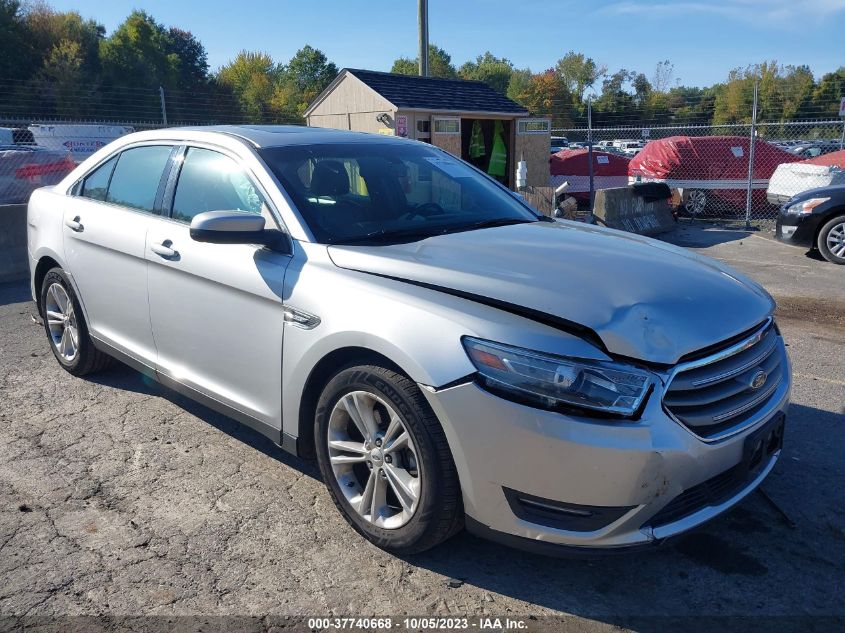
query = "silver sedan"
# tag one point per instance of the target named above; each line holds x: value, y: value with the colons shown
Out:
x: 448, y: 356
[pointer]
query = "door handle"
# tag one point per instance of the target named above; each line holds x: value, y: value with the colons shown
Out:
x: 164, y: 250
x: 75, y: 225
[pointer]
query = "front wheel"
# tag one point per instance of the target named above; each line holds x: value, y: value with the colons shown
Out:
x: 831, y: 240
x: 384, y: 458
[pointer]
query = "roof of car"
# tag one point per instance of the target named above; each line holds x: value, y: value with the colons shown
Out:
x: 276, y: 135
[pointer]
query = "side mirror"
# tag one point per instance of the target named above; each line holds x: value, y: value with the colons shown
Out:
x: 231, y: 227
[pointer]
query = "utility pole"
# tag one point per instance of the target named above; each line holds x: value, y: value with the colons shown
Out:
x: 749, y: 201
x: 163, y: 106
x: 422, y: 6
x: 590, y: 155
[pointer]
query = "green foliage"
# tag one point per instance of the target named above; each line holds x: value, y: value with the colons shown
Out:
x: 138, y: 54
x: 579, y: 73
x: 439, y: 64
x: 544, y: 94
x: 269, y: 91
x: 783, y: 93
x: 16, y: 51
x: 252, y: 78
x: 494, y: 71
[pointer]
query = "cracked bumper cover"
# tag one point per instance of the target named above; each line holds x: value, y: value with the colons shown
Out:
x: 639, y: 465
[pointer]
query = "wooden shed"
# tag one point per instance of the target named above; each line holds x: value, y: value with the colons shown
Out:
x: 457, y: 115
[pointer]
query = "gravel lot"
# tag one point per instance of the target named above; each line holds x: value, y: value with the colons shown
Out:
x: 119, y: 497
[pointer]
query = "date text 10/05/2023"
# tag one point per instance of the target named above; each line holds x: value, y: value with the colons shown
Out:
x: 417, y: 623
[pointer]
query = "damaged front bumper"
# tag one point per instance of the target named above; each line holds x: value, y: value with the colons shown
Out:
x: 551, y: 482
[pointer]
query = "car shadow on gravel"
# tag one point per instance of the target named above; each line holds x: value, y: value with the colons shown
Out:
x: 697, y: 234
x: 780, y: 548
x: 121, y: 376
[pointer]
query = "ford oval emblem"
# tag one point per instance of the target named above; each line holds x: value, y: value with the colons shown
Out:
x: 758, y: 379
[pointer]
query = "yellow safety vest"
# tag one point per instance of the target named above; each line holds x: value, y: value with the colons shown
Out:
x: 499, y: 155
x: 477, y: 148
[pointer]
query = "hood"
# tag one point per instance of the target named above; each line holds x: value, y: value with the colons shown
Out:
x: 644, y: 299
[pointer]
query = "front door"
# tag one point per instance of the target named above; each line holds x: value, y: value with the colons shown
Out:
x: 105, y: 230
x: 216, y: 309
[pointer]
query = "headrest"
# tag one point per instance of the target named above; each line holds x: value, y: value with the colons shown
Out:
x: 329, y: 179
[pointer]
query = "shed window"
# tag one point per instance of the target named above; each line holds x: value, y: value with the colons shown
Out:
x: 533, y: 126
x: 447, y: 126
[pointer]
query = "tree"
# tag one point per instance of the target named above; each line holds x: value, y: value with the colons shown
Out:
x: 310, y: 71
x: 62, y: 75
x: 494, y: 71
x: 16, y: 51
x: 642, y: 89
x: 439, y: 64
x: 192, y: 58
x: 252, y: 78
x: 518, y: 84
x: 49, y: 28
x: 545, y: 94
x: 613, y: 96
x: 139, y: 54
x: 824, y: 101
x: 664, y: 73
x: 782, y: 92
x: 579, y: 73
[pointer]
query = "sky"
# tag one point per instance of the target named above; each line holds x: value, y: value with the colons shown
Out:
x: 703, y: 39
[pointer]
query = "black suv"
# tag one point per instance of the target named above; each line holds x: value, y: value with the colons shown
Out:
x: 815, y: 219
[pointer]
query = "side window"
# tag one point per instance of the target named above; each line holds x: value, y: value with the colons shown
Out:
x: 210, y: 181
x: 96, y: 183
x: 136, y: 177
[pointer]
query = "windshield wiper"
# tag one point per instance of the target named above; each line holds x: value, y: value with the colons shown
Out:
x: 398, y: 235
x: 487, y: 224
x: 420, y: 233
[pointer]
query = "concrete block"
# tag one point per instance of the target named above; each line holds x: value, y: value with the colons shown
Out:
x: 619, y: 208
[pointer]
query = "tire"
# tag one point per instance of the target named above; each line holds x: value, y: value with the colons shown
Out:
x: 831, y: 240
x: 401, y: 524
x: 64, y: 324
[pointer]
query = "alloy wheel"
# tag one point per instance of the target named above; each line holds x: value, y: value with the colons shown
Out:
x: 696, y: 202
x: 374, y: 459
x: 835, y: 240
x: 61, y: 321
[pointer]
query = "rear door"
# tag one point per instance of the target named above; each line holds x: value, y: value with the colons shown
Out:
x: 105, y: 229
x: 216, y: 309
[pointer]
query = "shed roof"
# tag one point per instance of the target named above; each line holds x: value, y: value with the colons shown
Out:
x: 430, y: 93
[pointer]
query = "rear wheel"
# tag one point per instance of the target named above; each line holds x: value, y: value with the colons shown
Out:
x: 831, y: 240
x: 385, y: 460
x: 66, y: 328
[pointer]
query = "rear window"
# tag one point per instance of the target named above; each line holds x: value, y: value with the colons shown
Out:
x: 135, y: 180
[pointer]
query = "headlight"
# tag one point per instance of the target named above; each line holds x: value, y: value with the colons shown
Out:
x: 551, y: 380
x: 806, y: 206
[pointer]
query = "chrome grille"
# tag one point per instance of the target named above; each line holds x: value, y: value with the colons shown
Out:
x: 718, y: 395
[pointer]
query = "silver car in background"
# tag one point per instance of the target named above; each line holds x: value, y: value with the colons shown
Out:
x: 448, y: 356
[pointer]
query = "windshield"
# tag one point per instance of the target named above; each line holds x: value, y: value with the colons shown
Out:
x: 382, y: 192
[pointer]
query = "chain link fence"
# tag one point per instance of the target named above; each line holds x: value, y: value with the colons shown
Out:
x: 46, y: 130
x: 735, y: 173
